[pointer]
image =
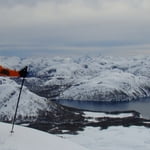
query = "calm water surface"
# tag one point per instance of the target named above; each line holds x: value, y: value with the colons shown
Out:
x: 142, y: 106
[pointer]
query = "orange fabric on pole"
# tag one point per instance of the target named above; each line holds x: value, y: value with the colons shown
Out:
x: 8, y: 72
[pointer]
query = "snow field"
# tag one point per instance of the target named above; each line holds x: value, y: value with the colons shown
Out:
x: 30, y: 139
x: 114, y: 138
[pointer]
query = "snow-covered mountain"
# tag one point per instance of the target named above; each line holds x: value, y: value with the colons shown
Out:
x: 96, y: 78
x: 86, y: 78
x: 30, y: 103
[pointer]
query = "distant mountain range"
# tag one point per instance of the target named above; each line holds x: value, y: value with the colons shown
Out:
x: 86, y: 78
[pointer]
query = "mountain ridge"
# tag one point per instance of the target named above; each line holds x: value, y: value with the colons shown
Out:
x: 99, y: 78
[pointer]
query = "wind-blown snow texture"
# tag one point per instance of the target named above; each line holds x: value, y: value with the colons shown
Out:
x: 86, y: 78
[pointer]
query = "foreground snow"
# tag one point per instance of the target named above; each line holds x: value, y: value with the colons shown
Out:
x: 30, y: 139
x: 114, y: 138
x: 92, y: 138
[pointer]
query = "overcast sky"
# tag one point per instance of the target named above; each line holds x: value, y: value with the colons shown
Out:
x: 56, y: 27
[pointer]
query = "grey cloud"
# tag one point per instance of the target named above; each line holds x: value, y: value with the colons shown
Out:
x: 71, y: 24
x: 14, y: 2
x: 135, y: 3
x: 28, y: 2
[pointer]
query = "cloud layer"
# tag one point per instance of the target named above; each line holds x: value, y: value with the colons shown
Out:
x: 74, y: 24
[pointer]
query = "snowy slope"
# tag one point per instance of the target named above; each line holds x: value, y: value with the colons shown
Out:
x: 86, y: 78
x: 29, y: 105
x: 114, y: 138
x: 30, y: 139
x: 110, y: 86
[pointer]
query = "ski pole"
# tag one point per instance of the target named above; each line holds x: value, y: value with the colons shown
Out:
x: 14, y: 119
x: 24, y: 74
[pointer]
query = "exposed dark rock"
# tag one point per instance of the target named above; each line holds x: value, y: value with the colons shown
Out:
x: 71, y: 121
